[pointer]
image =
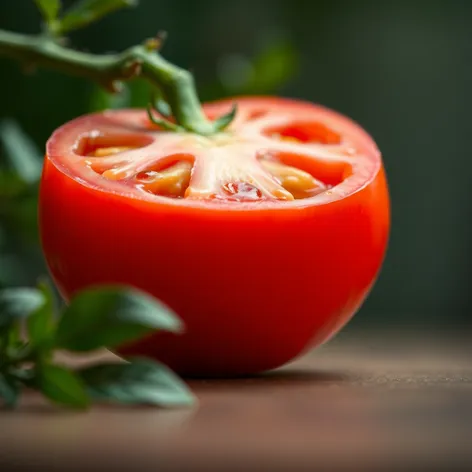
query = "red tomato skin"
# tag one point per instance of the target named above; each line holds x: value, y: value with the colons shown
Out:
x: 255, y: 289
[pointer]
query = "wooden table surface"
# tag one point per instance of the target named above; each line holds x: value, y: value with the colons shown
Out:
x: 357, y: 402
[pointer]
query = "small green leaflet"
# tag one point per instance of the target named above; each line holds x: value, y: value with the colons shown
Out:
x: 41, y: 322
x: 162, y: 122
x: 110, y: 316
x: 13, y: 337
x: 18, y: 303
x: 85, y: 12
x: 23, y: 156
x: 62, y: 386
x: 223, y: 121
x: 95, y: 318
x: 49, y: 9
x: 140, y: 382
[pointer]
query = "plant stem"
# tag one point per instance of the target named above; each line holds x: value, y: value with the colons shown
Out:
x: 176, y: 84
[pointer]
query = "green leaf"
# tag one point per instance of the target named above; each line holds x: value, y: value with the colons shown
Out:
x: 9, y: 391
x: 49, y: 9
x: 22, y: 154
x: 18, y: 303
x: 85, y: 12
x: 14, y: 338
x: 110, y: 316
x: 140, y: 382
x: 41, y: 323
x: 62, y: 386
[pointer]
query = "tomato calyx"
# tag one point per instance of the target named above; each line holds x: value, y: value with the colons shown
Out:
x: 162, y: 108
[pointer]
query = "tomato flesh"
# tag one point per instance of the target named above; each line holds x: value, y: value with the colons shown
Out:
x: 264, y: 246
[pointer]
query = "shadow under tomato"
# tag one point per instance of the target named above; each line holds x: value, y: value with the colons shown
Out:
x: 271, y: 378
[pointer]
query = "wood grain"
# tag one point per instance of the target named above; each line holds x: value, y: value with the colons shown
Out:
x: 357, y: 401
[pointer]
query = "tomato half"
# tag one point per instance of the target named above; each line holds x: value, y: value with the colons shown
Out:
x: 264, y: 239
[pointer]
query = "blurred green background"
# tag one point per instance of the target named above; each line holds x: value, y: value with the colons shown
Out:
x: 402, y: 69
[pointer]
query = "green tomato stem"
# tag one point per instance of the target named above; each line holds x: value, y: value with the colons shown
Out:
x: 176, y: 84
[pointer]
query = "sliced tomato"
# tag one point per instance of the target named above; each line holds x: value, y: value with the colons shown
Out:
x: 265, y: 238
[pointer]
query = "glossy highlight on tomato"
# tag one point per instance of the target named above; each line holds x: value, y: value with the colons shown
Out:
x: 265, y: 239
